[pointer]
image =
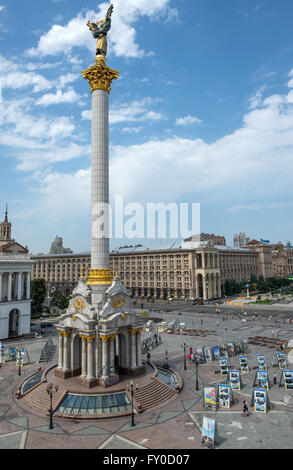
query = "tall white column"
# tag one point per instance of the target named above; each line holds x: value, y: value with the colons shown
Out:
x: 83, y: 356
x: 65, y: 351
x: 105, y: 359
x: 60, y: 351
x: 100, y: 179
x: 112, y: 353
x: 28, y: 285
x: 19, y: 286
x: 1, y: 287
x: 138, y: 349
x: 133, y: 350
x: 9, y: 293
x: 90, y: 357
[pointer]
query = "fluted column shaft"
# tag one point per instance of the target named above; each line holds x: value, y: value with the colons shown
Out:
x: 90, y: 358
x: 83, y: 356
x: 60, y: 351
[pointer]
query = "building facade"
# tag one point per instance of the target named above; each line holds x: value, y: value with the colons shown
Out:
x: 15, y: 273
x: 181, y: 272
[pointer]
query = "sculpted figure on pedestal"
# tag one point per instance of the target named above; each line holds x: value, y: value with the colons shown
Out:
x: 100, y: 31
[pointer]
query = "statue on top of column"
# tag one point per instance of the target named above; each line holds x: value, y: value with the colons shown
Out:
x: 100, y: 31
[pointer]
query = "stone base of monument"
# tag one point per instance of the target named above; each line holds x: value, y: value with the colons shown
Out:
x: 87, y: 383
x: 108, y: 381
x: 63, y: 374
x: 132, y: 372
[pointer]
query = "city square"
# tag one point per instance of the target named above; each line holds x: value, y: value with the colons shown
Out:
x: 151, y: 332
x: 177, y: 424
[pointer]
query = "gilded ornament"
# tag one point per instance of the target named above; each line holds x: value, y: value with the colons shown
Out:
x: 118, y: 302
x: 100, y: 277
x: 123, y: 316
x: 67, y: 333
x: 100, y: 76
x: 79, y: 304
x: 90, y: 339
x: 73, y: 318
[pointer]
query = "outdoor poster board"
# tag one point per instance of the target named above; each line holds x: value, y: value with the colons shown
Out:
x: 260, y: 400
x: 238, y: 347
x: 223, y: 350
x: 244, y: 364
x: 263, y: 379
x: 210, y: 397
x: 200, y: 355
x: 234, y: 379
x: 208, y: 430
x: 216, y: 350
x: 231, y: 349
x: 288, y: 379
x: 207, y: 354
x: 224, y: 396
x: 281, y: 360
x: 224, y: 365
x: 12, y: 353
x: 160, y: 329
x: 261, y: 361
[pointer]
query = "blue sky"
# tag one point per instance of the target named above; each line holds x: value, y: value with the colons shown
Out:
x: 202, y: 112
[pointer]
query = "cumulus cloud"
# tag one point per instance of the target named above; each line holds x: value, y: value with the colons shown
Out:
x: 62, y: 39
x: 187, y: 121
x: 69, y: 96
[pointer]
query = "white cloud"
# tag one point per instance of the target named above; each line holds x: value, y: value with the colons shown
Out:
x: 69, y: 96
x: 187, y: 121
x: 132, y: 130
x: 62, y: 39
x: 134, y: 111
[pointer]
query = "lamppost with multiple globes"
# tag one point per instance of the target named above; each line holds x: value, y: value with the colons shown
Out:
x: 131, y: 388
x: 50, y: 392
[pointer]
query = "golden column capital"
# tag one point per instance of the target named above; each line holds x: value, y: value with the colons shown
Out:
x: 132, y: 331
x: 67, y: 333
x: 60, y: 332
x: 100, y: 76
x: 112, y: 337
x: 83, y: 337
x: 90, y: 339
x: 104, y: 338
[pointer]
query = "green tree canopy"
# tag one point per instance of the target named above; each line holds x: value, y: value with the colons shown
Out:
x: 38, y: 295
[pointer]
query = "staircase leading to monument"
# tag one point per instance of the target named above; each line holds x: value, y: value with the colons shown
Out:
x: 39, y: 400
x: 153, y: 394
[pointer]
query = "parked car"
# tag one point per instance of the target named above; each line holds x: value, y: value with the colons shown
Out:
x: 46, y: 325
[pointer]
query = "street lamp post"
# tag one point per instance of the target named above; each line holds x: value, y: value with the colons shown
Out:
x: 50, y: 393
x: 196, y: 368
x: 184, y: 349
x: 130, y: 388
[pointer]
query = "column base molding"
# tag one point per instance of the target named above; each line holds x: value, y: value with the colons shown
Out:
x: 132, y: 372
x: 87, y: 383
x: 63, y: 374
x: 108, y: 381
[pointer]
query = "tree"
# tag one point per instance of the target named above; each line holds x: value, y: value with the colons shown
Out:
x: 59, y: 300
x: 38, y: 295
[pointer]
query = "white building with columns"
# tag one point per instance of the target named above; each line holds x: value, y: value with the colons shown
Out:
x: 15, y: 275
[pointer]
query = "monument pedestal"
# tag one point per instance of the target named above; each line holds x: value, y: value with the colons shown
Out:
x: 87, y: 383
x: 108, y: 381
x: 132, y: 372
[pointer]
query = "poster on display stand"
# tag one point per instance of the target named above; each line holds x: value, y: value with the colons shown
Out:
x: 287, y: 378
x: 225, y: 395
x: 207, y: 354
x: 244, y: 365
x: 238, y: 348
x: 281, y: 360
x: 223, y: 365
x: 235, y: 379
x: 224, y: 350
x: 216, y: 352
x: 210, y: 398
x: 261, y: 379
x: 209, y: 432
x: 231, y: 349
x: 260, y: 400
x: 200, y: 355
x: 261, y: 361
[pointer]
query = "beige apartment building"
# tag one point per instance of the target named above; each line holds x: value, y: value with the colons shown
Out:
x: 191, y: 271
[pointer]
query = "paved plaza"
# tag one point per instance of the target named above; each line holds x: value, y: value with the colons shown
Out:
x: 176, y: 425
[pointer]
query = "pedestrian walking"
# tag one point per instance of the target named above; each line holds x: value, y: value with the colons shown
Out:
x: 217, y: 324
x: 225, y: 328
x: 244, y: 408
x: 275, y: 378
